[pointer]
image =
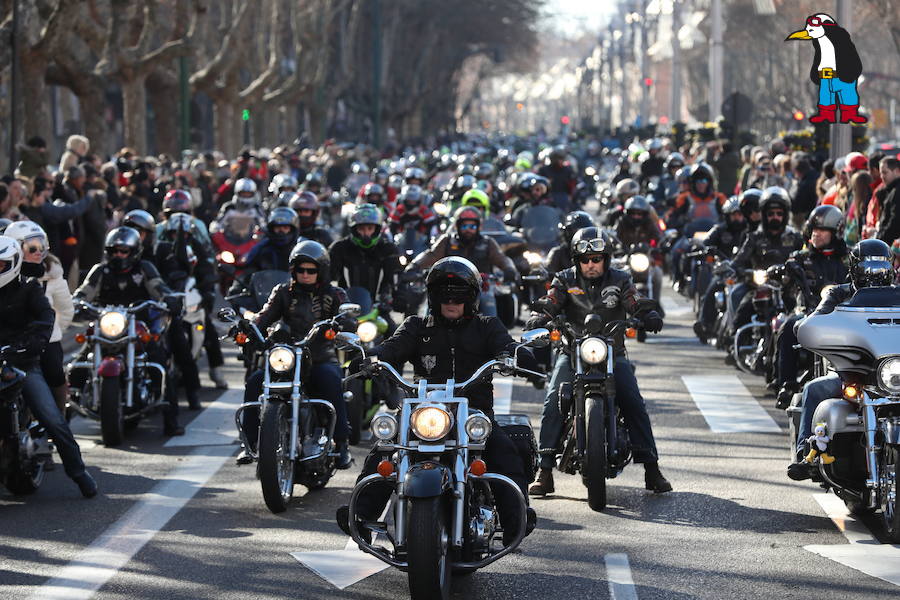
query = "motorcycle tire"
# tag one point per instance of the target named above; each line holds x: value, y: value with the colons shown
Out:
x: 24, y: 481
x: 889, y: 500
x: 593, y: 472
x: 112, y: 419
x: 428, y: 549
x: 274, y: 467
x: 506, y: 310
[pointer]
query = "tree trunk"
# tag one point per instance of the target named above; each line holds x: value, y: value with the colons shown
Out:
x: 164, y: 99
x: 92, y: 103
x: 35, y: 105
x: 134, y: 108
x: 226, y: 127
x: 317, y: 125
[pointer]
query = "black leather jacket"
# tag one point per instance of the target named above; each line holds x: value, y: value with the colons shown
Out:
x: 724, y: 240
x: 300, y: 308
x: 822, y: 267
x: 440, y: 350
x: 559, y: 258
x: 141, y: 283
x: 374, y: 269
x: 761, y: 250
x: 29, y: 320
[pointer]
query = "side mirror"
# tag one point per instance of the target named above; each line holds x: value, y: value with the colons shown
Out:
x: 227, y: 314
x: 536, y: 337
x: 350, y: 309
x: 346, y: 339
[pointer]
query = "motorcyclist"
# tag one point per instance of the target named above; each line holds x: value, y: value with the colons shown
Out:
x: 821, y: 262
x: 308, y: 207
x: 562, y: 178
x: 701, y: 201
x: 282, y: 183
x: 593, y: 287
x: 750, y: 207
x: 27, y: 328
x: 723, y: 241
x: 560, y: 257
x: 123, y: 279
x: 870, y: 265
x: 273, y: 252
x: 411, y: 210
x: 624, y: 190
x: 308, y: 298
x: 640, y: 225
x: 668, y: 186
x: 246, y: 199
x: 367, y: 259
x: 372, y: 193
x: 179, y: 201
x: 652, y: 165
x: 451, y: 343
x: 414, y: 176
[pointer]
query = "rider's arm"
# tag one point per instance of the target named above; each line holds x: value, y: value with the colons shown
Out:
x: 432, y: 255
x: 500, y: 260
x: 39, y: 321
x: 274, y: 308
x: 337, y: 262
x: 742, y: 258
x: 58, y: 289
x: 91, y: 285
x: 390, y: 266
x: 153, y: 282
x: 500, y: 342
x: 400, y: 347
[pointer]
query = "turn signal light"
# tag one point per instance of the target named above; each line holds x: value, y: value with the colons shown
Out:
x: 730, y: 281
x: 155, y: 337
x: 240, y: 339
x: 710, y: 259
x: 852, y: 392
x: 478, y: 468
x: 555, y: 335
x: 329, y: 334
x: 631, y: 332
x: 385, y: 468
x: 80, y: 338
x: 146, y: 337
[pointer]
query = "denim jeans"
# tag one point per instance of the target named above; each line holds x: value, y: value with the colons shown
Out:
x: 40, y: 401
x: 628, y: 399
x: 834, y: 91
x: 324, y: 382
x: 814, y: 393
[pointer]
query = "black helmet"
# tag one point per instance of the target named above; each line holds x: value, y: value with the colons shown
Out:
x: 590, y: 240
x: 871, y: 264
x: 637, y: 203
x: 702, y: 172
x: 313, y: 252
x: 774, y: 197
x: 122, y: 237
x: 453, y: 278
x: 314, y: 178
x: 484, y: 171
x: 574, y: 221
x: 674, y: 161
x: 750, y: 201
x: 141, y: 220
x: 825, y: 217
x: 414, y: 173
x: 283, y: 215
x: 731, y: 207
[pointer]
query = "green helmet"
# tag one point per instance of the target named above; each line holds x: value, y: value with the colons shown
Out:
x: 477, y: 198
x: 523, y: 164
x: 365, y: 214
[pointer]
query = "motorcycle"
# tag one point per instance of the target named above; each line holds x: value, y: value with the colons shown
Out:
x: 22, y: 453
x: 250, y: 301
x: 859, y: 338
x: 595, y: 438
x: 296, y: 432
x: 752, y: 343
x: 194, y: 316
x: 445, y: 517
x: 119, y: 389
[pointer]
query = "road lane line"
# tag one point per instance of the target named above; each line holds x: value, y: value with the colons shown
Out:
x: 214, y: 426
x: 674, y: 309
x: 864, y: 553
x: 503, y: 387
x: 727, y: 405
x: 618, y: 574
x: 99, y: 562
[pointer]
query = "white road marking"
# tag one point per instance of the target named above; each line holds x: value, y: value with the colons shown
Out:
x: 99, y: 562
x: 727, y: 405
x: 674, y: 309
x: 503, y: 387
x: 215, y: 425
x: 863, y: 553
x: 670, y: 339
x: 618, y: 574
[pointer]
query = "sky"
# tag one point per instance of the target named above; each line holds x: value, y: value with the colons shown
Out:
x: 567, y: 15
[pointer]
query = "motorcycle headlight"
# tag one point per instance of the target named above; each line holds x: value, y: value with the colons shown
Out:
x: 281, y: 358
x: 430, y: 423
x: 593, y: 351
x: 639, y: 262
x: 227, y: 257
x: 534, y: 259
x: 759, y: 276
x: 889, y: 375
x: 403, y: 260
x: 441, y: 209
x: 384, y: 427
x: 478, y: 428
x: 367, y: 331
x: 112, y: 324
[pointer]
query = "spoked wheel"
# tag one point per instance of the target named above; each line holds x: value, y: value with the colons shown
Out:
x: 112, y: 420
x: 275, y: 468
x: 889, y: 509
x: 428, y: 550
x: 27, y: 475
x: 593, y: 472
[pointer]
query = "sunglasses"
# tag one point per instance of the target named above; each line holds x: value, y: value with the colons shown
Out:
x: 816, y: 22
x: 302, y: 270
x: 591, y: 259
x: 764, y: 167
x: 702, y: 180
x: 33, y: 249
x: 585, y: 246
x: 468, y: 227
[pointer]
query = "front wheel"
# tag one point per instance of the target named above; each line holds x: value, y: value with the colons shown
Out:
x: 889, y: 485
x: 428, y: 549
x: 112, y: 420
x: 275, y: 468
x: 594, y: 469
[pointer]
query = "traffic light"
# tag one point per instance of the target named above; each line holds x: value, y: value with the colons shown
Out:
x: 648, y: 81
x: 798, y: 115
x: 664, y: 120
x: 245, y: 114
x: 564, y: 119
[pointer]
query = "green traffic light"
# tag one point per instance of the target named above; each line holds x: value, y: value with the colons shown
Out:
x: 245, y: 114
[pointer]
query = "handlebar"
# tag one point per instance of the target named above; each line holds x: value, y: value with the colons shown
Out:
x: 491, y: 365
x: 128, y: 309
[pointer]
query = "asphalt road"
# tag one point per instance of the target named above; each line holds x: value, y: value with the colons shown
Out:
x: 184, y: 522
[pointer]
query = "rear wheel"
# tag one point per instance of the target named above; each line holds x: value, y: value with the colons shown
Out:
x: 889, y: 460
x: 428, y: 549
x: 275, y: 468
x: 112, y: 420
x: 26, y: 476
x: 594, y: 470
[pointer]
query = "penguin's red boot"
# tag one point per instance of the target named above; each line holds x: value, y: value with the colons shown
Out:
x: 827, y: 114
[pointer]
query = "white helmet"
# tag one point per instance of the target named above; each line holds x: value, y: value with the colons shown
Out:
x: 627, y: 187
x: 10, y: 258
x: 244, y: 185
x: 22, y: 231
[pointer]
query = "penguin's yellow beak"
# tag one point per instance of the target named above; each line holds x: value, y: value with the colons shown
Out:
x: 799, y: 35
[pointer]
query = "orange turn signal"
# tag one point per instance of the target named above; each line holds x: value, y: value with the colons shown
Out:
x: 631, y: 332
x: 146, y: 337
x: 478, y: 468
x: 240, y: 338
x: 852, y: 392
x: 155, y: 337
x: 710, y: 259
x: 555, y: 335
x: 80, y: 338
x: 329, y: 334
x: 385, y: 468
x: 730, y: 281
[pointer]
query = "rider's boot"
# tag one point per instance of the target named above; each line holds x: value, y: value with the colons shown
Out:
x: 218, y: 378
x: 344, y: 459
x: 170, y: 423
x: 785, y: 395
x: 86, y: 484
x: 654, y: 480
x: 244, y: 457
x: 544, y: 484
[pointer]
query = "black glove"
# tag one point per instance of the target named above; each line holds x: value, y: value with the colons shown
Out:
x: 510, y: 277
x: 355, y: 365
x: 174, y: 304
x: 653, y: 322
x: 536, y: 322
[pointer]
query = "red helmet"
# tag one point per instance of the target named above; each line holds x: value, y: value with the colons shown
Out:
x: 856, y: 161
x: 177, y: 201
x: 305, y: 201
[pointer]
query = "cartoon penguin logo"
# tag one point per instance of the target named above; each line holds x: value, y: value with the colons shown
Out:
x: 835, y: 69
